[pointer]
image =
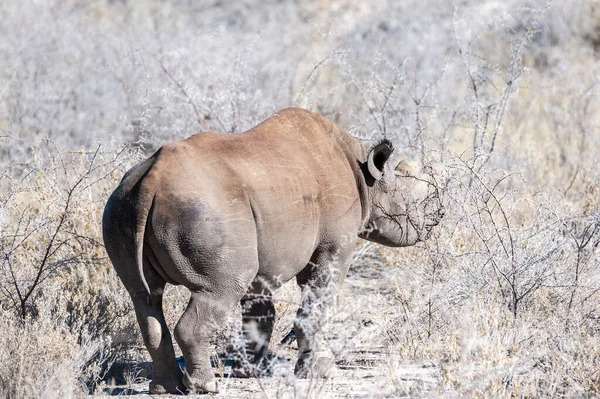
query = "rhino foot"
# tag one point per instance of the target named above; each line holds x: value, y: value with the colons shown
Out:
x: 251, y: 371
x: 322, y: 367
x: 160, y: 386
x: 199, y: 383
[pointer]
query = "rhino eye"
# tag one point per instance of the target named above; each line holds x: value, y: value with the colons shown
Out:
x: 383, y: 185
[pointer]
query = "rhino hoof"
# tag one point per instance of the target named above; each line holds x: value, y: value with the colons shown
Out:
x: 200, y: 385
x: 167, y: 385
x: 321, y: 368
x: 241, y: 373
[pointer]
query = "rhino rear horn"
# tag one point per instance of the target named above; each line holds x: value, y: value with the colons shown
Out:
x: 378, y: 156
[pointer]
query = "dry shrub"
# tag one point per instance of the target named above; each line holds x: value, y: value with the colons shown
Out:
x: 502, y: 300
x: 59, y: 296
x: 504, y: 297
x: 41, y: 359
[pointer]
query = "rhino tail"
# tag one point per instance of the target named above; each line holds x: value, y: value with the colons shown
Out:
x: 144, y: 200
x: 144, y: 206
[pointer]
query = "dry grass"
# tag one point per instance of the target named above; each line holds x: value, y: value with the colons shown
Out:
x: 501, y: 302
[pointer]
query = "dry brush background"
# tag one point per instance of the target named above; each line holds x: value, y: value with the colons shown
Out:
x: 502, y: 302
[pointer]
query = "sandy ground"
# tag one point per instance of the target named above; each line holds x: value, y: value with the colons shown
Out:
x: 365, y: 366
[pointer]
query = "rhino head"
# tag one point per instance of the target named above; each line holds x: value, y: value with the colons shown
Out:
x: 405, y: 201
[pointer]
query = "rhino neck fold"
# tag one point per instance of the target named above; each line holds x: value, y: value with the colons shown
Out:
x: 356, y: 153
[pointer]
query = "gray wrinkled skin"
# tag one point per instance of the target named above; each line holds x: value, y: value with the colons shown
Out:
x: 233, y: 217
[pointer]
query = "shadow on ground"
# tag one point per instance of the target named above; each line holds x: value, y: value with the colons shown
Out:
x: 123, y: 375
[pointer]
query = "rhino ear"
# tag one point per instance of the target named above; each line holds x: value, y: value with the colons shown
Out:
x: 378, y: 156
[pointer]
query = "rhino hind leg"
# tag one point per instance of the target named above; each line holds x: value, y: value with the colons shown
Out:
x: 167, y: 376
x: 258, y: 317
x: 206, y: 312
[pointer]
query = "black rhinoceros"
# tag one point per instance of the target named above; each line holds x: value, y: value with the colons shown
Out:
x: 233, y: 217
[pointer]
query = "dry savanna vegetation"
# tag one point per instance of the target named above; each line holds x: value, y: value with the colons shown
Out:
x: 502, y: 301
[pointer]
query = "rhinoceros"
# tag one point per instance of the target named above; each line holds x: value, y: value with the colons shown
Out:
x: 233, y: 217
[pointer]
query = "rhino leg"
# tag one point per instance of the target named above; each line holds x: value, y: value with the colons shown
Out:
x: 167, y: 374
x: 157, y: 338
x: 258, y: 316
x: 319, y: 282
x: 206, y: 312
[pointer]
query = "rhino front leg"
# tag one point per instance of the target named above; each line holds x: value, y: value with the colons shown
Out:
x: 319, y: 282
x: 258, y: 316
